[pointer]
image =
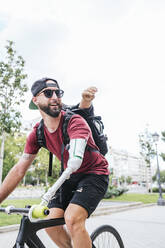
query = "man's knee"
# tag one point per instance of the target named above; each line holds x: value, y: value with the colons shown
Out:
x: 75, y: 219
x: 74, y: 225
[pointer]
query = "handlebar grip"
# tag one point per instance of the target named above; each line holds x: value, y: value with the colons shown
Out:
x: 40, y: 211
x: 2, y: 209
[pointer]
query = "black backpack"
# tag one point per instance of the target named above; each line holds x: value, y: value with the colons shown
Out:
x: 95, y: 123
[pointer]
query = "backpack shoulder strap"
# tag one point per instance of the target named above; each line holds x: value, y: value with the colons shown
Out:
x: 66, y: 118
x: 42, y: 143
x: 40, y: 134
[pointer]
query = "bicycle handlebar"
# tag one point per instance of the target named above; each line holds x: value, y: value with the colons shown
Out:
x: 35, y: 212
x: 39, y: 211
x: 12, y: 209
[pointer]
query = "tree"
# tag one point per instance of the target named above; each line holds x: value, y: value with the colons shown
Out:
x: 163, y: 138
x: 162, y: 176
x: 147, y: 151
x: 14, y: 146
x: 129, y: 179
x: 12, y: 91
x: 40, y: 168
x: 146, y: 146
x: 122, y: 179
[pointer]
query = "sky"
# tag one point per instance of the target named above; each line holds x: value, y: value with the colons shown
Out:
x: 117, y: 46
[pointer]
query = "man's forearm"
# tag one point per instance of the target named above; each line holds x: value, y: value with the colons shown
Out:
x: 84, y: 104
x: 10, y: 183
x: 15, y: 175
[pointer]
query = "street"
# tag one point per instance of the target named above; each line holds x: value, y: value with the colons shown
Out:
x: 139, y: 228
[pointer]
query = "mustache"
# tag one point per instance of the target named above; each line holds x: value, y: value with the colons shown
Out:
x: 54, y: 102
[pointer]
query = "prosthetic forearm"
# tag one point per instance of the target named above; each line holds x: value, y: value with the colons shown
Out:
x: 76, y: 154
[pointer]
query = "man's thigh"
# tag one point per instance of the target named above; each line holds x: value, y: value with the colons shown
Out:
x: 85, y: 191
x: 89, y: 192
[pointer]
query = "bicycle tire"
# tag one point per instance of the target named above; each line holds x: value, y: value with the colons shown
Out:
x: 106, y: 236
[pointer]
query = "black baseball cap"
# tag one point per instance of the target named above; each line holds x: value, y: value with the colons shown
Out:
x: 40, y: 85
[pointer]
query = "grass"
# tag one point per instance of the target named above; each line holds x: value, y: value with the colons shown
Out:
x: 15, y: 219
x: 130, y: 197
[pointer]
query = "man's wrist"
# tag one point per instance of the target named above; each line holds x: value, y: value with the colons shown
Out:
x: 85, y: 104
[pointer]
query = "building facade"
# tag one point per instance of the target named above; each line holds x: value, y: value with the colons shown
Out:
x: 125, y: 164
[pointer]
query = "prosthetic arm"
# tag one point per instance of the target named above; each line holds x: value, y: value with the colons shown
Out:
x: 76, y: 154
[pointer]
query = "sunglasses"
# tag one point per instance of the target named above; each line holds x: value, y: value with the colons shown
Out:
x: 49, y: 93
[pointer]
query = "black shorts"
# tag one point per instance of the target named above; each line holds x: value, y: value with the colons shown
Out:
x: 85, y: 190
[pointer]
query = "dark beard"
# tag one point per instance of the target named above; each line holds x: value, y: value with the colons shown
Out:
x: 50, y: 112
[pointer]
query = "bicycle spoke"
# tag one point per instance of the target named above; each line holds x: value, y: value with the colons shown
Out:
x: 106, y: 236
x: 106, y: 239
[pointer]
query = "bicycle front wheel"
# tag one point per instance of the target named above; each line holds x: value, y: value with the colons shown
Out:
x: 106, y: 237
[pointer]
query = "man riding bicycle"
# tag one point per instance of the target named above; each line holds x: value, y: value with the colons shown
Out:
x: 87, y: 181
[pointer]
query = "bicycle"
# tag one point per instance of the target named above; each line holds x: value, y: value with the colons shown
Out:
x: 104, y: 236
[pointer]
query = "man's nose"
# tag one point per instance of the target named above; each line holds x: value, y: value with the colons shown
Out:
x: 54, y: 95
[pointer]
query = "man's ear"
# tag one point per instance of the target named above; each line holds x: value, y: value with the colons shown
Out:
x: 34, y: 99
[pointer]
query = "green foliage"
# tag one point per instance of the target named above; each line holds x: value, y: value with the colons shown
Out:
x: 113, y: 191
x: 135, y: 197
x: 129, y: 180
x: 39, y: 170
x: 13, y: 149
x: 162, y: 177
x: 122, y: 179
x: 29, y: 179
x: 163, y: 156
x: 55, y: 171
x: 163, y: 135
x: 156, y: 190
x: 12, y: 89
x: 163, y: 138
x: 146, y: 146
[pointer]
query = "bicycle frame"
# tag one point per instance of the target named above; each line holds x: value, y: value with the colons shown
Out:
x: 27, y: 231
